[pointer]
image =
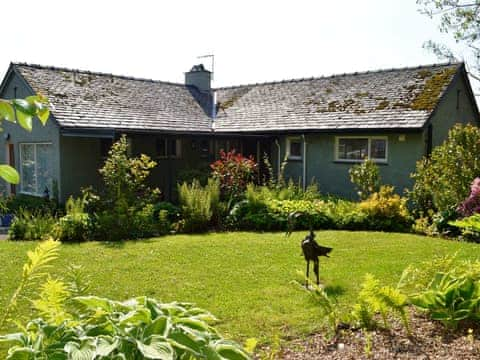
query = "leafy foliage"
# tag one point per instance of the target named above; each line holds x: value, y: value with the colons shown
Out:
x: 384, y: 300
x: 442, y: 181
x: 125, y: 211
x: 22, y: 111
x: 386, y: 210
x: 451, y: 297
x: 29, y: 225
x: 461, y: 19
x: 76, y: 224
x: 262, y: 210
x: 124, y: 177
x: 366, y: 178
x: 198, y: 204
x: 470, y: 226
x: 234, y: 172
x: 139, y: 328
x: 34, y: 271
x: 447, y: 289
x: 89, y: 327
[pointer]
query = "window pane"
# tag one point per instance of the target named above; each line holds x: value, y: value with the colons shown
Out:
x: 172, y: 144
x: 161, y: 147
x: 44, y: 168
x: 378, y: 149
x: 28, y: 167
x: 352, y: 149
x: 295, y: 148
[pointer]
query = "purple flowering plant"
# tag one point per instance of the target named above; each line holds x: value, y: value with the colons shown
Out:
x: 471, y: 205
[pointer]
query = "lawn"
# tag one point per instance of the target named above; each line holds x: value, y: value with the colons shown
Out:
x: 245, y: 279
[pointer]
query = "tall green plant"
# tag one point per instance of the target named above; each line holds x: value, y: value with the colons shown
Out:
x: 125, y: 177
x: 366, y: 178
x: 443, y: 180
x: 196, y: 204
x: 34, y: 271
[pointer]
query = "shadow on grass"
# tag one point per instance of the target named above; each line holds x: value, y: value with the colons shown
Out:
x: 334, y: 290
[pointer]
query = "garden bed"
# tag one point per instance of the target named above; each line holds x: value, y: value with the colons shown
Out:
x: 429, y: 340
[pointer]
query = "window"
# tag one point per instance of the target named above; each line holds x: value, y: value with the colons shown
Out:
x: 36, y: 168
x: 294, y: 148
x: 355, y: 149
x: 168, y: 148
x: 105, y: 145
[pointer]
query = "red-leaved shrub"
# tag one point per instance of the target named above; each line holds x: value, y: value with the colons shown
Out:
x: 233, y: 171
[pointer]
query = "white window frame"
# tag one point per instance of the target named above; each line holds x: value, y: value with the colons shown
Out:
x: 291, y: 139
x: 369, y: 146
x: 20, y: 145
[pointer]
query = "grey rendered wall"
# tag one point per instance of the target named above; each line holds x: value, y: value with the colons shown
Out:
x: 332, y: 177
x: 447, y: 114
x: 48, y: 133
x: 79, y: 163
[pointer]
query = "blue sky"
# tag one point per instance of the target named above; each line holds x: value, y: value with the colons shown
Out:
x: 253, y: 41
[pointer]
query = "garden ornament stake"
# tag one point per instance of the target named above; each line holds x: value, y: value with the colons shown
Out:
x: 311, y: 252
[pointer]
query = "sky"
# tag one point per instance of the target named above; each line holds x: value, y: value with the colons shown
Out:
x: 253, y: 41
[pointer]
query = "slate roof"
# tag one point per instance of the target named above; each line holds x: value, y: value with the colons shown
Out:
x: 386, y: 99
x: 82, y: 99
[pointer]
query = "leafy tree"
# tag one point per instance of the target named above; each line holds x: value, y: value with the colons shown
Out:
x: 22, y: 111
x: 366, y: 178
x: 461, y: 18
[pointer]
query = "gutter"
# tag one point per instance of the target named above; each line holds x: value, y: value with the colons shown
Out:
x: 278, y: 159
x: 304, y: 163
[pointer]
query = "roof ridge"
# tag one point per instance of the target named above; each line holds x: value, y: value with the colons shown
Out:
x: 125, y: 77
x: 448, y: 63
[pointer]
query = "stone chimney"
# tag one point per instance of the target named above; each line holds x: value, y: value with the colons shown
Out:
x: 199, y: 77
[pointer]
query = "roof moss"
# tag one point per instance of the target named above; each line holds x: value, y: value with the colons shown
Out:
x: 434, y: 85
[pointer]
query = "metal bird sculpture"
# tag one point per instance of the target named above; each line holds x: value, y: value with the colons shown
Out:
x: 311, y: 252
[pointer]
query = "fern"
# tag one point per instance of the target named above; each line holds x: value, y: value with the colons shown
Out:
x: 34, y: 270
x: 77, y: 282
x: 51, y: 303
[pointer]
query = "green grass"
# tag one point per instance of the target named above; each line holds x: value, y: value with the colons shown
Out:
x: 245, y: 279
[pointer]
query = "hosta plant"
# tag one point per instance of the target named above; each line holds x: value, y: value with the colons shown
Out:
x: 139, y: 328
x: 451, y: 298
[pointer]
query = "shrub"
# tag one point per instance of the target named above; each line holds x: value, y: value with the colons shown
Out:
x: 469, y: 226
x: 29, y: 225
x: 442, y: 181
x: 75, y: 225
x: 366, y: 178
x: 386, y: 210
x: 233, y: 172
x: 262, y: 211
x: 124, y: 211
x: 172, y: 211
x: 125, y: 177
x: 196, y: 205
x: 18, y: 203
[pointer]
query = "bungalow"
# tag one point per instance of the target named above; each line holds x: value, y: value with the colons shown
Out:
x: 321, y: 126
